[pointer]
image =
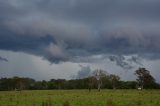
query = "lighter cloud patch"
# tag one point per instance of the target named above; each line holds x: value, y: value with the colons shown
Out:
x: 56, y: 53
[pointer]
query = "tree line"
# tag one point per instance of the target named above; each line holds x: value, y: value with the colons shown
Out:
x: 98, y: 80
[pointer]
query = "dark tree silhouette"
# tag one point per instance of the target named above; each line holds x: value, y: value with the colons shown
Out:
x: 144, y: 78
x: 114, y: 80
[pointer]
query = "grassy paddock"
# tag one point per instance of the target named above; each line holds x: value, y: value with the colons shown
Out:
x: 80, y: 98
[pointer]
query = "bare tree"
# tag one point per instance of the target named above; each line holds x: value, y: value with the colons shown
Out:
x: 99, y: 74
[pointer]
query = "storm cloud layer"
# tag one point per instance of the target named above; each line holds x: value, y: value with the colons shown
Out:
x: 67, y: 30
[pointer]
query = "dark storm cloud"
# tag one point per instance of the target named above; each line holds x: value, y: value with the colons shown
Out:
x: 60, y: 30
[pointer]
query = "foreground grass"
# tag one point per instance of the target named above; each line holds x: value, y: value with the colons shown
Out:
x: 80, y: 98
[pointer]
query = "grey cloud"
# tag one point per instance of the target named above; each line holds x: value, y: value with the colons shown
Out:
x: 84, y: 72
x: 62, y: 30
x: 120, y: 62
x: 136, y: 59
x: 55, y: 53
x: 126, y: 63
x: 3, y: 59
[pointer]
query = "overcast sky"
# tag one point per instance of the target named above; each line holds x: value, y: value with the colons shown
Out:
x: 46, y: 39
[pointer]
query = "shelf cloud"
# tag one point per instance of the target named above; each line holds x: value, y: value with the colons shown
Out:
x: 60, y: 30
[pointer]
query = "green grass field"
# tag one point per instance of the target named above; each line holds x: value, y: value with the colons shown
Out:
x: 80, y: 98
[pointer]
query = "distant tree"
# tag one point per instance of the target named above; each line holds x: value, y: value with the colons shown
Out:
x: 127, y: 84
x: 114, y: 80
x: 91, y: 82
x: 100, y: 79
x: 99, y: 75
x: 144, y: 78
x: 44, y: 84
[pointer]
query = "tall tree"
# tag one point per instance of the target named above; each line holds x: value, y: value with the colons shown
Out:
x: 144, y: 77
